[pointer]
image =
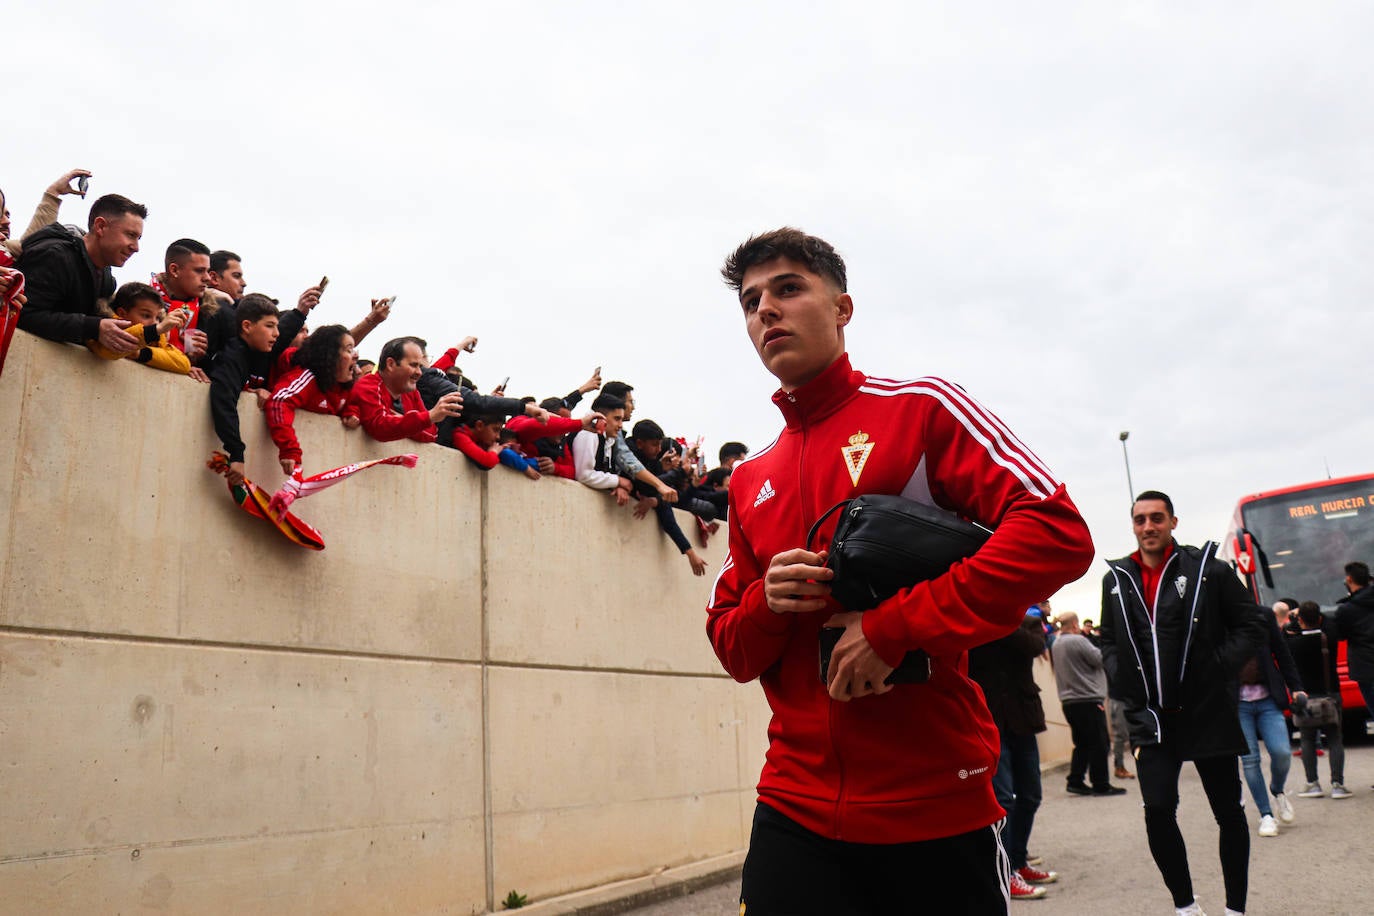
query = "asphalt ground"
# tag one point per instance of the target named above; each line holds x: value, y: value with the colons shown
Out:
x: 1319, y: 865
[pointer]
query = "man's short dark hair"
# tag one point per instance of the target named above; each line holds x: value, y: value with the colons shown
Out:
x: 129, y: 293
x: 395, y: 349
x: 716, y: 477
x: 254, y: 307
x: 818, y: 255
x: 647, y: 429
x: 732, y: 450
x: 617, y: 389
x: 1310, y: 613
x: 490, y: 417
x: 552, y: 405
x: 605, y: 403
x: 1358, y: 573
x: 181, y: 249
x: 219, y: 260
x: 1155, y: 494
x: 112, y: 207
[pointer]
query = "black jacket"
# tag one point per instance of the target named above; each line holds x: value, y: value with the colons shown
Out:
x: 1354, y: 623
x: 433, y: 385
x: 1305, y: 645
x: 62, y: 285
x: 1276, y: 667
x: 236, y: 367
x: 1176, y: 675
x: 1004, y: 669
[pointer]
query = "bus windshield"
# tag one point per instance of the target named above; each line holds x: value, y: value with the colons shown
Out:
x: 1306, y: 536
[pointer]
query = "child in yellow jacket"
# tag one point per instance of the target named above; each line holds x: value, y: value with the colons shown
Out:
x: 141, y: 305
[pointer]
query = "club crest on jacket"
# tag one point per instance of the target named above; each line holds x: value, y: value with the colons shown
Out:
x: 856, y: 455
x: 1181, y: 583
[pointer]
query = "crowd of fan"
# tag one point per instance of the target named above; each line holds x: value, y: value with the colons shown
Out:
x: 196, y: 319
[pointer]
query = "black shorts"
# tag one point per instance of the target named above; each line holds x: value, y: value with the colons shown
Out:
x: 791, y: 871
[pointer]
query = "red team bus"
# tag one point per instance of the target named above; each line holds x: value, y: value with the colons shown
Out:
x: 1295, y: 542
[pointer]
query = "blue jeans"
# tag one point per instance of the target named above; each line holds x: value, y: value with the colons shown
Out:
x: 1017, y: 784
x: 1262, y: 720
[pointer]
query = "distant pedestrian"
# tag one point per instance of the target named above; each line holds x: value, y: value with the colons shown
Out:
x: 1004, y: 668
x: 1121, y: 736
x: 1313, y: 647
x: 1265, y: 681
x: 1082, y: 689
x: 1176, y: 627
x: 1355, y: 624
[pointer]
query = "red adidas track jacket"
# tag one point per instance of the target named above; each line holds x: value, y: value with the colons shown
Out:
x: 915, y: 763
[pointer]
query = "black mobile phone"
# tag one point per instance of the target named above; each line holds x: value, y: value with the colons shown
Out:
x: 324, y: 281
x: 914, y: 669
x: 82, y: 183
x: 505, y: 381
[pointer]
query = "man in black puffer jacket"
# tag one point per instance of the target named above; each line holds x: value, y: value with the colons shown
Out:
x: 1176, y: 627
x: 1355, y: 624
x: 67, y: 275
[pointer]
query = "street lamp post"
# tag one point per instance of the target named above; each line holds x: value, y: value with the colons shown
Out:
x: 1126, y: 434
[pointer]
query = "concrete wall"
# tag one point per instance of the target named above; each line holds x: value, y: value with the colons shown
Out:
x: 462, y: 695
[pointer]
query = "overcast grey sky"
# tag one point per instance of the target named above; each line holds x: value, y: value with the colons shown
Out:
x: 1093, y: 216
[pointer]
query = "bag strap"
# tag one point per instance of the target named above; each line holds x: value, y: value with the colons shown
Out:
x: 828, y: 512
x: 1326, y: 665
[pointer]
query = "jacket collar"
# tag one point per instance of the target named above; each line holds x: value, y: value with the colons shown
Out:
x: 1364, y: 597
x: 821, y: 396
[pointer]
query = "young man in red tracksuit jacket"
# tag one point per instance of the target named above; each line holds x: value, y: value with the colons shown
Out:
x: 874, y: 798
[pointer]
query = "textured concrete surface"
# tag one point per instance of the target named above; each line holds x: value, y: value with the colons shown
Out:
x: 482, y: 682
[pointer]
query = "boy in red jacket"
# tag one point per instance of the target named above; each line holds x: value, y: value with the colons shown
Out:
x: 867, y: 786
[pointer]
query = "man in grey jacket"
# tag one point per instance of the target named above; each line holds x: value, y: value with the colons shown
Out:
x: 1082, y: 689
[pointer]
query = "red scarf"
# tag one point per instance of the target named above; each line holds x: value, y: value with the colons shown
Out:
x: 9, y: 313
x: 191, y: 305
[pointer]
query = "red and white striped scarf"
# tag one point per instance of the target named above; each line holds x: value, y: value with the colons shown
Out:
x: 298, y: 487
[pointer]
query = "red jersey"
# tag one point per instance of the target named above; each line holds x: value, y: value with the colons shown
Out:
x: 915, y: 763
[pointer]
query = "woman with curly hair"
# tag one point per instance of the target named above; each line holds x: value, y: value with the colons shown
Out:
x: 322, y: 371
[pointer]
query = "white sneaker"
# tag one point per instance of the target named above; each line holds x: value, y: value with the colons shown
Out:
x: 1340, y: 791
x: 1313, y: 790
x: 1284, y: 808
x: 1268, y: 826
x: 1192, y: 909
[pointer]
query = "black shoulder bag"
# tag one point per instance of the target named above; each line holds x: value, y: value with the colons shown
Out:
x: 1324, y: 710
x: 883, y: 544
